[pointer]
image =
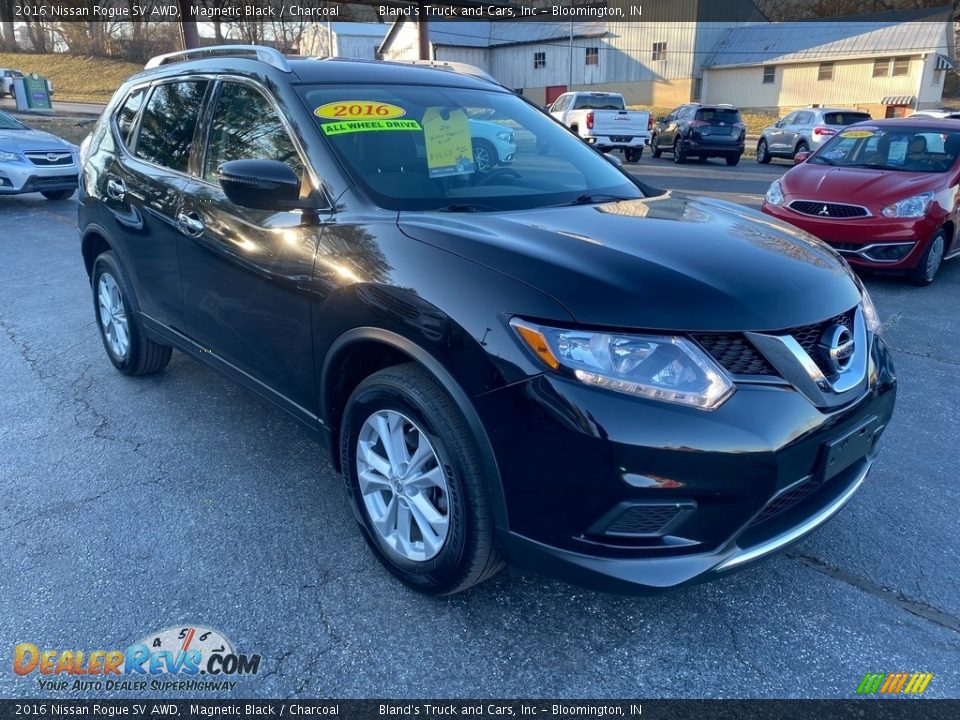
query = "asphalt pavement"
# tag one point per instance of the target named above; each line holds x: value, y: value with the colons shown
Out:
x: 132, y: 505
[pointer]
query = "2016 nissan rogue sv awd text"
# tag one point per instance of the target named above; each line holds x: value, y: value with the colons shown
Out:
x: 547, y: 364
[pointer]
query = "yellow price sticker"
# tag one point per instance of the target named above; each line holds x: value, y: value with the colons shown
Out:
x: 359, y: 110
x: 857, y: 133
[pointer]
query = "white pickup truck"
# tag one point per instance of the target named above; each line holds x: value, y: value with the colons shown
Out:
x: 602, y: 119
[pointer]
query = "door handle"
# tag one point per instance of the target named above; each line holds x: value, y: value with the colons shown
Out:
x: 115, y: 188
x: 190, y: 224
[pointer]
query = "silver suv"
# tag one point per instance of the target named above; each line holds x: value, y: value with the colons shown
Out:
x: 804, y: 130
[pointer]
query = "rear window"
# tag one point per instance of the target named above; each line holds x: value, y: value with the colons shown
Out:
x: 599, y: 102
x: 128, y: 113
x: 718, y: 115
x: 845, y: 118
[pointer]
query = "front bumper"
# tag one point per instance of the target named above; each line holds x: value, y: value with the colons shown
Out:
x: 21, y: 177
x: 730, y: 486
x: 874, y: 242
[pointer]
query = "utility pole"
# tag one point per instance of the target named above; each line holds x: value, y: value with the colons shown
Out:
x: 570, y: 83
x: 189, y: 36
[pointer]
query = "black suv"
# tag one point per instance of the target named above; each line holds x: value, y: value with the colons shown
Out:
x: 700, y: 131
x: 550, y: 364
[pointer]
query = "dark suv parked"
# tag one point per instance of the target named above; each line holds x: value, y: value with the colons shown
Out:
x: 701, y: 131
x: 549, y: 364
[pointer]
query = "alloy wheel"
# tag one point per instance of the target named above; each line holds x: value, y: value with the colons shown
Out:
x: 934, y: 257
x: 113, y: 315
x: 481, y: 158
x: 403, y: 485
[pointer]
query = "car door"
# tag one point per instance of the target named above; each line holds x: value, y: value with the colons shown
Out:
x: 246, y: 273
x: 142, y: 185
x: 777, y: 138
x: 669, y: 129
x: 799, y: 130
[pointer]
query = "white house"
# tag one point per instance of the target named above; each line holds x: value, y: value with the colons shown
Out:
x: 343, y: 39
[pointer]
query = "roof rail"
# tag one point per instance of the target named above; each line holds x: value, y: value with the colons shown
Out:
x: 271, y: 56
x: 458, y: 67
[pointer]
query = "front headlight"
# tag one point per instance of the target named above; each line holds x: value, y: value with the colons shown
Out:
x: 658, y: 367
x: 911, y: 207
x: 870, y: 314
x: 506, y: 135
x: 775, y: 193
x: 8, y: 156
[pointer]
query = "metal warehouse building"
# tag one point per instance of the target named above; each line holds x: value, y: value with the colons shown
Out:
x: 886, y: 63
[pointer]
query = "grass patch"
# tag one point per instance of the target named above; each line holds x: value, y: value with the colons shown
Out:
x: 82, y: 79
x: 755, y: 122
x: 70, y: 129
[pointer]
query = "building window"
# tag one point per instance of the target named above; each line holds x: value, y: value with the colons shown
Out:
x: 593, y: 56
x: 825, y: 72
x: 697, y: 89
x: 659, y: 51
x: 881, y: 67
x: 539, y: 59
x: 769, y: 74
x: 937, y: 78
x: 901, y: 66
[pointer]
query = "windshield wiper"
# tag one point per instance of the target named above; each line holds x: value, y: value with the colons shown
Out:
x: 828, y: 161
x: 466, y: 208
x: 597, y: 197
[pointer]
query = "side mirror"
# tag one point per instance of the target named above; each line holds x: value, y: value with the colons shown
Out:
x: 614, y: 160
x: 801, y: 157
x: 260, y: 184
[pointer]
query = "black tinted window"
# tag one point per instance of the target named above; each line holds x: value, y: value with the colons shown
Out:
x: 128, y: 113
x: 166, y: 130
x: 718, y: 115
x: 246, y: 127
x: 599, y: 102
x: 845, y: 118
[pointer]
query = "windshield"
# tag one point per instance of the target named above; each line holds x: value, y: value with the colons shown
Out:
x: 9, y: 123
x: 599, y: 102
x: 440, y: 148
x: 904, y: 149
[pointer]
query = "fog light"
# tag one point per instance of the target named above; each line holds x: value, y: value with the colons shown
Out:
x: 889, y: 253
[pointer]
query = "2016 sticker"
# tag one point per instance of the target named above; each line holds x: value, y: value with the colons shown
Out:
x: 359, y: 109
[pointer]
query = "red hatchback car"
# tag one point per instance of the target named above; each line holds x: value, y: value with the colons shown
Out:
x: 884, y: 193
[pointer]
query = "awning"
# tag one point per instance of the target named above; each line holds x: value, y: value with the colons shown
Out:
x: 945, y: 63
x: 897, y: 100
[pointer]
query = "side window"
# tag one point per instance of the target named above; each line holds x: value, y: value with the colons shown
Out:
x: 246, y: 127
x: 687, y: 112
x: 560, y: 103
x: 127, y: 114
x: 790, y: 119
x: 804, y: 118
x: 166, y: 130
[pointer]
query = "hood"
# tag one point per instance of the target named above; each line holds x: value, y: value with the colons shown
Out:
x: 21, y: 140
x: 671, y: 262
x: 862, y: 186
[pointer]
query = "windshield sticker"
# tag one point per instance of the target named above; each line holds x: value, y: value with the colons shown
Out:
x: 449, y: 147
x: 352, y: 126
x: 857, y: 133
x: 356, y: 109
x: 897, y: 154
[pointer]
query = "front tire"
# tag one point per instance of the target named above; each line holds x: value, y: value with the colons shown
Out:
x: 412, y: 469
x: 124, y: 339
x: 57, y: 194
x: 931, y: 260
x: 763, y: 152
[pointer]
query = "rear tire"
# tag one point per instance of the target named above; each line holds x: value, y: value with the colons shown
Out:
x: 733, y: 160
x: 802, y: 147
x: 439, y: 538
x: 57, y: 194
x: 632, y: 155
x: 930, y: 261
x: 124, y: 339
x: 679, y: 157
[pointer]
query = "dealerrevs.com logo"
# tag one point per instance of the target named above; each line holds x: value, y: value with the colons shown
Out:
x: 191, y: 658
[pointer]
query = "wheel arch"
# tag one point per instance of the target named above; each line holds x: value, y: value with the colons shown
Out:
x: 95, y: 241
x: 358, y: 353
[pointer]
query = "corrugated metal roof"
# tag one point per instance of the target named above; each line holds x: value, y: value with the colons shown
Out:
x: 778, y: 43
x: 476, y: 33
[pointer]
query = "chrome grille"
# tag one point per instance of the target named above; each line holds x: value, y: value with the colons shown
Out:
x: 47, y: 159
x: 808, y: 337
x: 828, y: 210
